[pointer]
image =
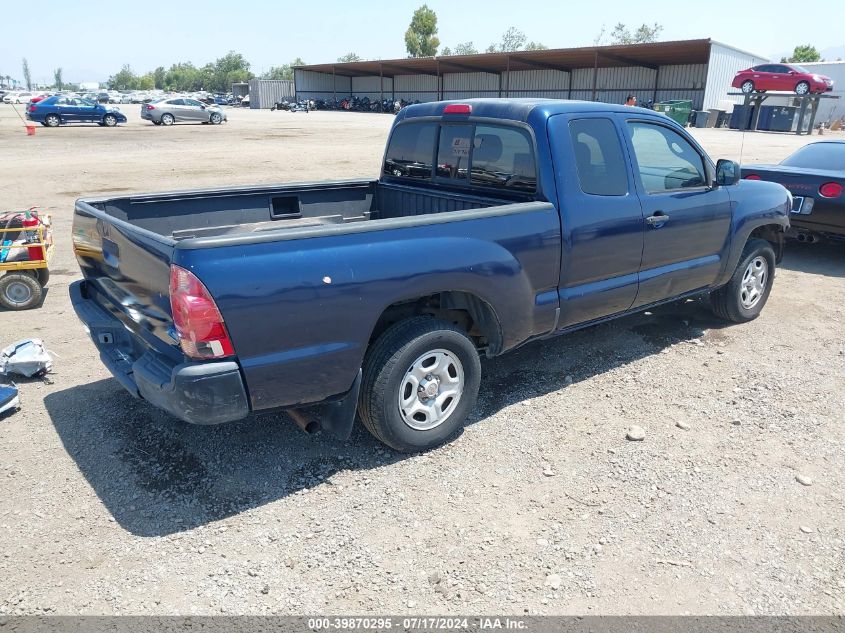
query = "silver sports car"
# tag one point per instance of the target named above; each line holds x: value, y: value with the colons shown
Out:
x: 181, y: 110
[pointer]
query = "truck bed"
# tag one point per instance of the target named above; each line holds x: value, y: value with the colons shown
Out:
x: 226, y: 212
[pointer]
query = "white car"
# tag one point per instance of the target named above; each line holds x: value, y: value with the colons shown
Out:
x: 23, y: 97
x: 9, y: 97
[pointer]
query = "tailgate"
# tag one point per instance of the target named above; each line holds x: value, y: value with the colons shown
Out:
x: 127, y: 273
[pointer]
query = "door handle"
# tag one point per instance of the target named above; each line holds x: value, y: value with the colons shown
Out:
x: 658, y: 219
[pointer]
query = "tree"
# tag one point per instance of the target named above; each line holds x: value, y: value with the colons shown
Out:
x: 804, y: 53
x: 466, y: 48
x: 283, y: 72
x: 147, y: 82
x: 446, y: 52
x: 26, y: 76
x: 350, y: 57
x: 420, y: 38
x: 227, y: 70
x: 125, y: 79
x: 158, y: 77
x: 514, y: 40
x: 57, y: 78
x: 644, y: 33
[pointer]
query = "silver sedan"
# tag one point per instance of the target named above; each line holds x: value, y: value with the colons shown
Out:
x: 181, y: 110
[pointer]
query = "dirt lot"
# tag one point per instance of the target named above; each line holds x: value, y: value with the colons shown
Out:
x: 541, y: 506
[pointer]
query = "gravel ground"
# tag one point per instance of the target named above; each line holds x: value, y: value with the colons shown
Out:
x: 732, y: 503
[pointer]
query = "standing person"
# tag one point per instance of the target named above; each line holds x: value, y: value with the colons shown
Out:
x: 631, y: 100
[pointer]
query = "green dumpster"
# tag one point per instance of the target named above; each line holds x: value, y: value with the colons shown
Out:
x: 677, y: 109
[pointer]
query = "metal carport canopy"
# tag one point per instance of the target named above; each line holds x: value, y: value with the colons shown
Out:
x: 652, y: 55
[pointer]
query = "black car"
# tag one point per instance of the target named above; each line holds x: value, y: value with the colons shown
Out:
x: 815, y: 175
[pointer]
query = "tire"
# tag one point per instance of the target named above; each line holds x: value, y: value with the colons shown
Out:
x: 52, y: 120
x: 20, y: 291
x: 802, y: 88
x: 216, y: 118
x: 417, y: 344
x: 747, y: 87
x: 743, y: 297
x: 110, y: 120
x: 167, y: 119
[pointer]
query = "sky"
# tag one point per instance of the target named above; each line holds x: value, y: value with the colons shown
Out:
x: 91, y: 40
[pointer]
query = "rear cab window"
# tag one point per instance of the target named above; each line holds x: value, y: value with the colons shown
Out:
x: 476, y: 155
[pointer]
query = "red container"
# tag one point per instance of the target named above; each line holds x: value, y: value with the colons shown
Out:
x: 30, y: 225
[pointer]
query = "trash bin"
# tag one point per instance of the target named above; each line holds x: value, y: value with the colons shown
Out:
x: 713, y: 119
x: 724, y: 119
x: 741, y: 117
x: 699, y: 118
x: 677, y: 109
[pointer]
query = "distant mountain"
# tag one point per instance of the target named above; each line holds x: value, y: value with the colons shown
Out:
x: 833, y: 53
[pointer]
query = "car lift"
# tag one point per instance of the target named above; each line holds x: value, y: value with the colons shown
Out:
x: 806, y: 102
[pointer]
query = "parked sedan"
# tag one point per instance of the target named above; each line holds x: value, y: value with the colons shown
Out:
x: 60, y: 110
x: 181, y: 110
x: 787, y: 77
x: 815, y: 175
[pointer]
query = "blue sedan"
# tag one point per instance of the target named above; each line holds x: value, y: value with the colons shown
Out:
x: 60, y: 110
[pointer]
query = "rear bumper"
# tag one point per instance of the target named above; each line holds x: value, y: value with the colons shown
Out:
x: 199, y: 393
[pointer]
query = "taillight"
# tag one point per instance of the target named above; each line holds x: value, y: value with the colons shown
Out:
x: 202, y: 333
x: 32, y: 108
x: 752, y: 177
x: 830, y: 190
x: 150, y: 107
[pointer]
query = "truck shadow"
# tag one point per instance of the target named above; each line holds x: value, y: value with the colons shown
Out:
x: 157, y: 476
x: 827, y: 258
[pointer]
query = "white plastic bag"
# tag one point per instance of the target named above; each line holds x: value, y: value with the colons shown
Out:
x: 27, y: 357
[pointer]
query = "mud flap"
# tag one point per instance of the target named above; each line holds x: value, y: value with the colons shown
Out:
x: 336, y: 417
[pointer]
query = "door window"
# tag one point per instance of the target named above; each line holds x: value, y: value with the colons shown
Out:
x: 410, y: 151
x: 665, y: 160
x: 598, y: 157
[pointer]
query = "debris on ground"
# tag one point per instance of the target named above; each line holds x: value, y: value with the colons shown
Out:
x: 27, y: 357
x: 9, y: 399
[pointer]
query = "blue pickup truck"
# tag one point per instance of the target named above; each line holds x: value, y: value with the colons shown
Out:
x: 493, y: 223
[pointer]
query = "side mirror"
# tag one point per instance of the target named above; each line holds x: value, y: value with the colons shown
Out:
x: 727, y: 172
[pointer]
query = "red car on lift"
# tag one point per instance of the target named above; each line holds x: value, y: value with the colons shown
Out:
x: 786, y: 77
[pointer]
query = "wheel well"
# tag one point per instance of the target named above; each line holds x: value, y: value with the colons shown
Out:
x: 772, y: 233
x: 463, y: 309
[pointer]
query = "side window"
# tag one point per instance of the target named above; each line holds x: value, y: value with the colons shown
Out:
x: 176, y: 102
x: 598, y: 157
x: 503, y: 157
x: 410, y: 151
x: 665, y: 160
x: 453, y: 151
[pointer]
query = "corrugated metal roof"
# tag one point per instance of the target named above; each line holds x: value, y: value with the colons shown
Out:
x: 649, y: 55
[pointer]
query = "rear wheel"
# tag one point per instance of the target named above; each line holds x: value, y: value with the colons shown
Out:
x: 420, y: 381
x: 167, y: 119
x: 52, y: 120
x: 747, y: 87
x: 802, y: 88
x: 110, y: 120
x: 20, y: 291
x: 743, y: 297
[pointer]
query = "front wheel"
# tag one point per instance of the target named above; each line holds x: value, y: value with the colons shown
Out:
x: 110, y: 120
x: 743, y: 297
x: 420, y: 381
x: 747, y: 87
x: 802, y: 88
x: 216, y: 118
